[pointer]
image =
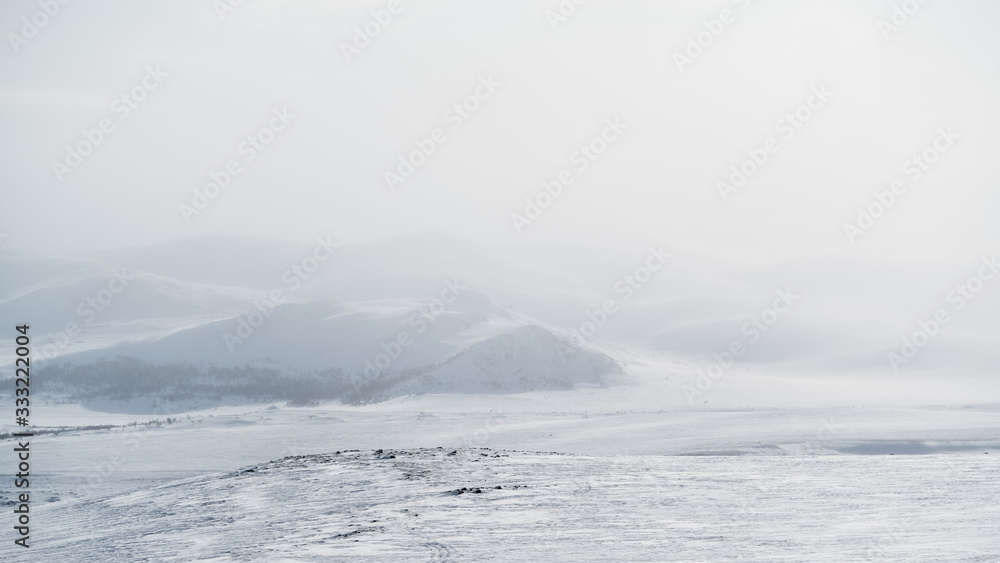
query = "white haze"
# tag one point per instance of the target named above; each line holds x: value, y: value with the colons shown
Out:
x: 325, y: 173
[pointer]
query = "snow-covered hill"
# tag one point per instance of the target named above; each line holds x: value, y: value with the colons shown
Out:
x: 525, y: 359
x: 435, y: 313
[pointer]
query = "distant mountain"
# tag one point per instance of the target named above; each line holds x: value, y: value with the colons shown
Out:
x: 321, y: 335
x: 528, y: 358
x: 435, y: 313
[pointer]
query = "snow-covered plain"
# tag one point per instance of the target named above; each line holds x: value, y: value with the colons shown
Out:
x: 477, y: 504
x: 763, y: 484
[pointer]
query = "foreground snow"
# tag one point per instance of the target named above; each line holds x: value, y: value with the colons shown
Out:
x: 646, y: 483
x: 481, y: 504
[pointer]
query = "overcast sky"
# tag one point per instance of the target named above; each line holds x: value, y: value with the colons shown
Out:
x: 220, y: 79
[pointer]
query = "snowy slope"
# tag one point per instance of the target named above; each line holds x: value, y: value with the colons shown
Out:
x: 525, y: 359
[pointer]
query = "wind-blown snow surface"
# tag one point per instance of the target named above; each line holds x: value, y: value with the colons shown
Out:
x: 497, y: 505
x: 697, y: 485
